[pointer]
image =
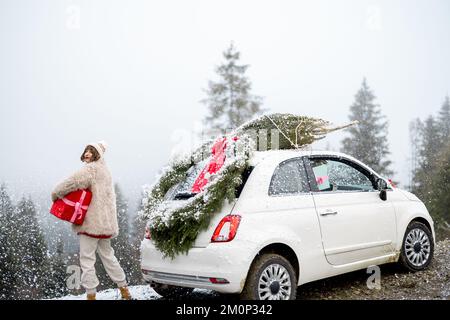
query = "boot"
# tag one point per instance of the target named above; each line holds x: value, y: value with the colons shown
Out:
x: 125, y: 293
x: 90, y: 296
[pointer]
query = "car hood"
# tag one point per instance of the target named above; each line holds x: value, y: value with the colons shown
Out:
x: 409, y: 195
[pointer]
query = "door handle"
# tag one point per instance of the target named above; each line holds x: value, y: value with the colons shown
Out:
x: 328, y: 212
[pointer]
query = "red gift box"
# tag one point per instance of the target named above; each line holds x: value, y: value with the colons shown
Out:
x: 73, y: 206
x: 216, y: 162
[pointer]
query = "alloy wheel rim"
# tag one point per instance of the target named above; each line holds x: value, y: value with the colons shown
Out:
x: 417, y: 247
x: 274, y: 283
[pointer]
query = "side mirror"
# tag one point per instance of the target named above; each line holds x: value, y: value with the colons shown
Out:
x: 382, y: 186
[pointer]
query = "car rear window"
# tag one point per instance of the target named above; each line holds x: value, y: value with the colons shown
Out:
x: 183, y: 190
x: 289, y: 178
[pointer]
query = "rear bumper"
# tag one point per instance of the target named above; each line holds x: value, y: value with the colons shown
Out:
x: 221, y: 267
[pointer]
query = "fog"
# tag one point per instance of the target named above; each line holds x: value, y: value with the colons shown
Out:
x: 133, y: 73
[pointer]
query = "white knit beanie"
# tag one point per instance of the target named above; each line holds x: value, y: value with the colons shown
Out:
x: 99, y: 146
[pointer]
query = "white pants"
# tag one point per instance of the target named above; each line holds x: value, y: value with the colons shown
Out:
x: 88, y: 247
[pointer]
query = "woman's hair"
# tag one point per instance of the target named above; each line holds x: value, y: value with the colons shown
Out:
x: 95, y: 154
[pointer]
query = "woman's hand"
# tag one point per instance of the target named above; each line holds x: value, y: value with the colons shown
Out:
x: 54, y: 197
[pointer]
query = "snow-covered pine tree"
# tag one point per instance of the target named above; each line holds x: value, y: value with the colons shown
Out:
x: 30, y: 251
x: 229, y: 100
x: 430, y: 148
x: 415, y: 137
x: 433, y: 156
x: 444, y: 122
x: 55, y: 285
x: 137, y: 235
x: 121, y: 244
x: 368, y: 141
x: 7, y: 272
x: 438, y: 197
x: 138, y: 224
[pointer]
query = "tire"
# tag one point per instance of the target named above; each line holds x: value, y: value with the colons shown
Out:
x: 417, y: 247
x: 171, y: 292
x: 273, y: 270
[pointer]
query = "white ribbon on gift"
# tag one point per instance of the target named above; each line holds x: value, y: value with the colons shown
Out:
x: 78, y: 212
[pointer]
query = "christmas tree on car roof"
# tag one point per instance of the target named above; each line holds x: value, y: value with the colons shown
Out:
x: 292, y: 131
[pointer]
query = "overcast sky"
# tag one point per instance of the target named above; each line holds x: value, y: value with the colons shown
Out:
x: 133, y: 73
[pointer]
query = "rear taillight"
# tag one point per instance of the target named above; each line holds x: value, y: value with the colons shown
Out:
x: 147, y: 233
x: 226, y: 229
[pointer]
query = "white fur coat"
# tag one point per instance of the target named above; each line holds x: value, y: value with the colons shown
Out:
x: 101, y: 217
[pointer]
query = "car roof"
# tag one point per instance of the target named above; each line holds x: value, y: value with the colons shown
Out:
x: 281, y: 155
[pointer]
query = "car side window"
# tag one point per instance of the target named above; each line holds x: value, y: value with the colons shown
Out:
x: 335, y: 175
x: 289, y: 178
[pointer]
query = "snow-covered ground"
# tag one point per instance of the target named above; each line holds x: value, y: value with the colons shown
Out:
x: 142, y: 292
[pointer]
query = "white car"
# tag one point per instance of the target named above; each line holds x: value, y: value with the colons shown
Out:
x: 299, y: 217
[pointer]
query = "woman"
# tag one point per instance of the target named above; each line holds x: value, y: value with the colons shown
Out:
x: 100, y: 223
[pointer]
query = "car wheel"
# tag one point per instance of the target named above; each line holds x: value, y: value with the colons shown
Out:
x: 171, y: 292
x: 271, y: 277
x: 417, y: 247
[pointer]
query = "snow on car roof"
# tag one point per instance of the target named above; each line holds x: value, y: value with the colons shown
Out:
x: 259, y: 156
x: 281, y: 155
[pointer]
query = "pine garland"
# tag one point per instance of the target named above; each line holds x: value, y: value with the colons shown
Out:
x: 174, y: 229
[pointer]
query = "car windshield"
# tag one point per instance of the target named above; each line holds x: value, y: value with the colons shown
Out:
x: 183, y: 190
